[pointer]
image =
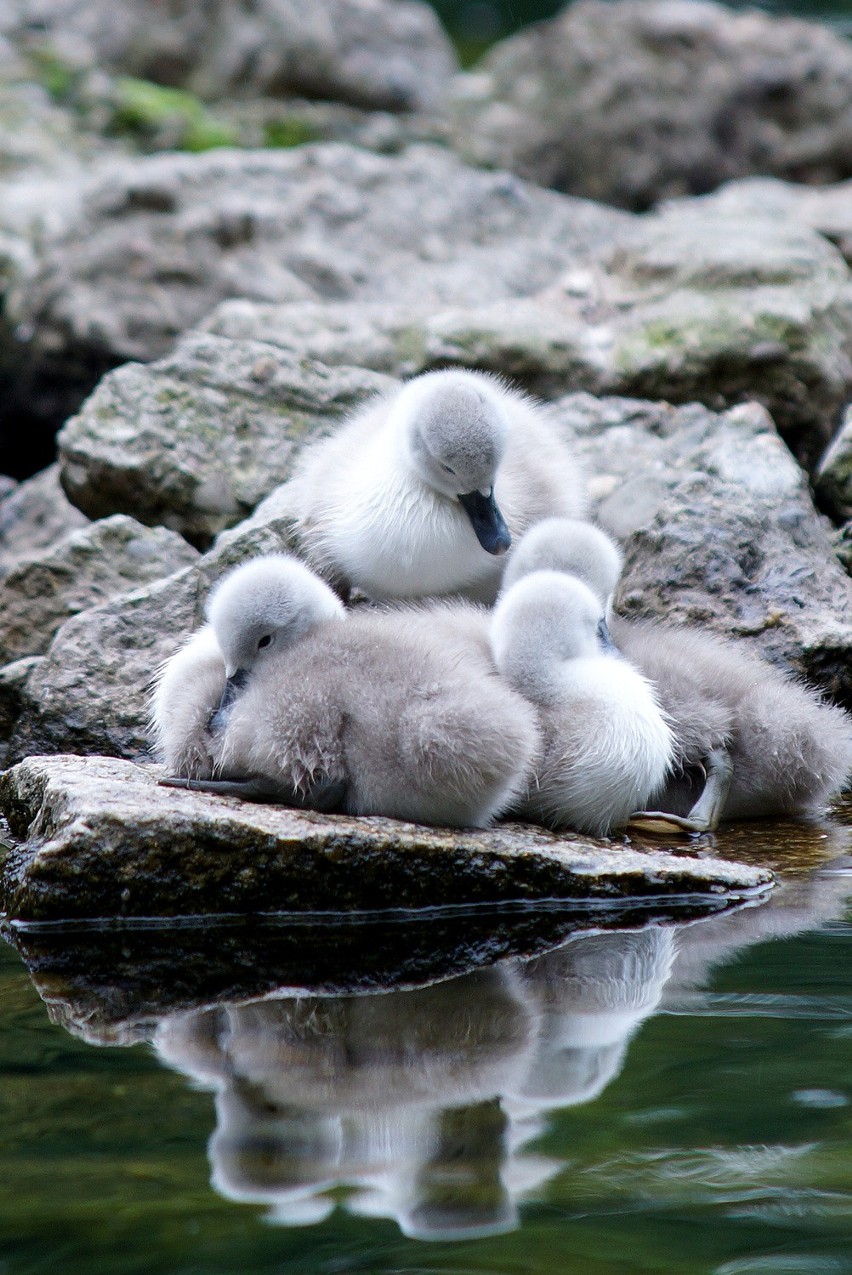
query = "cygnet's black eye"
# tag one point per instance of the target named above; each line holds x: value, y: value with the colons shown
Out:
x: 266, y: 640
x: 448, y: 469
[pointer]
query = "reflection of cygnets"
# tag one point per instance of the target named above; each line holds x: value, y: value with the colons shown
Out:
x: 423, y: 490
x: 384, y: 1093
x: 592, y: 994
x: 394, y: 714
x: 801, y: 901
x: 749, y: 741
x: 606, y: 745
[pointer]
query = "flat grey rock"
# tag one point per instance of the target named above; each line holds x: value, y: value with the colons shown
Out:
x: 637, y: 101
x: 88, y: 566
x: 371, y: 52
x: 98, y: 837
x: 196, y: 440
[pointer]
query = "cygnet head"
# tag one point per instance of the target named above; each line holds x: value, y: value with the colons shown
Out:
x: 264, y: 606
x: 540, y: 623
x: 454, y: 429
x: 570, y: 546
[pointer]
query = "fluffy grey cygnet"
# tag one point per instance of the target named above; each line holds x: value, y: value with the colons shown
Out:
x: 422, y: 492
x: 393, y: 713
x: 606, y: 745
x: 195, y: 688
x: 750, y: 741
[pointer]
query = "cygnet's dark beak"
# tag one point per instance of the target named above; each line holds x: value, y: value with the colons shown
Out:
x: 607, y: 644
x: 487, y: 521
x: 233, y: 686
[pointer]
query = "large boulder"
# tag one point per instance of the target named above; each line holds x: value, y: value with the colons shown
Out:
x: 157, y: 242
x: 636, y: 101
x: 33, y: 516
x: 89, y: 693
x: 102, y: 839
x: 404, y: 262
x: 370, y: 52
x: 827, y: 209
x: 91, y: 565
x: 719, y: 530
x: 44, y: 155
x: 682, y: 305
x: 762, y: 569
x: 195, y: 441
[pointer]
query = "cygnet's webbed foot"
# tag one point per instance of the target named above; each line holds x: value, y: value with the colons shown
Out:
x: 707, y: 811
x: 324, y: 795
x: 659, y: 823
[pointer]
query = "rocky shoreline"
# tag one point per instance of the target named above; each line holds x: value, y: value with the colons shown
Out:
x: 192, y: 319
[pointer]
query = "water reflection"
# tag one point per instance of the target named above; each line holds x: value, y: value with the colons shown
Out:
x: 423, y: 1105
x: 395, y: 1097
x: 590, y: 997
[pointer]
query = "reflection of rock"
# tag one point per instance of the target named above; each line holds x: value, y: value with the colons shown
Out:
x: 109, y: 984
x: 416, y: 1105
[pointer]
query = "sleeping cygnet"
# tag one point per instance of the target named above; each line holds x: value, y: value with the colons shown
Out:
x: 368, y: 713
x: 606, y: 744
x: 749, y: 741
x: 194, y: 689
x: 422, y: 492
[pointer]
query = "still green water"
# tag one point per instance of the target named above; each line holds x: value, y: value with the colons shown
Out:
x: 672, y: 1099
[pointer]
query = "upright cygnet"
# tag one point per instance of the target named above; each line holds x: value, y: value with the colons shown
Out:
x: 423, y: 491
x: 378, y: 713
x: 606, y: 745
x: 749, y: 741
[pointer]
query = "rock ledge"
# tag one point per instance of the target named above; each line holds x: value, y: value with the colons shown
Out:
x: 97, y: 837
